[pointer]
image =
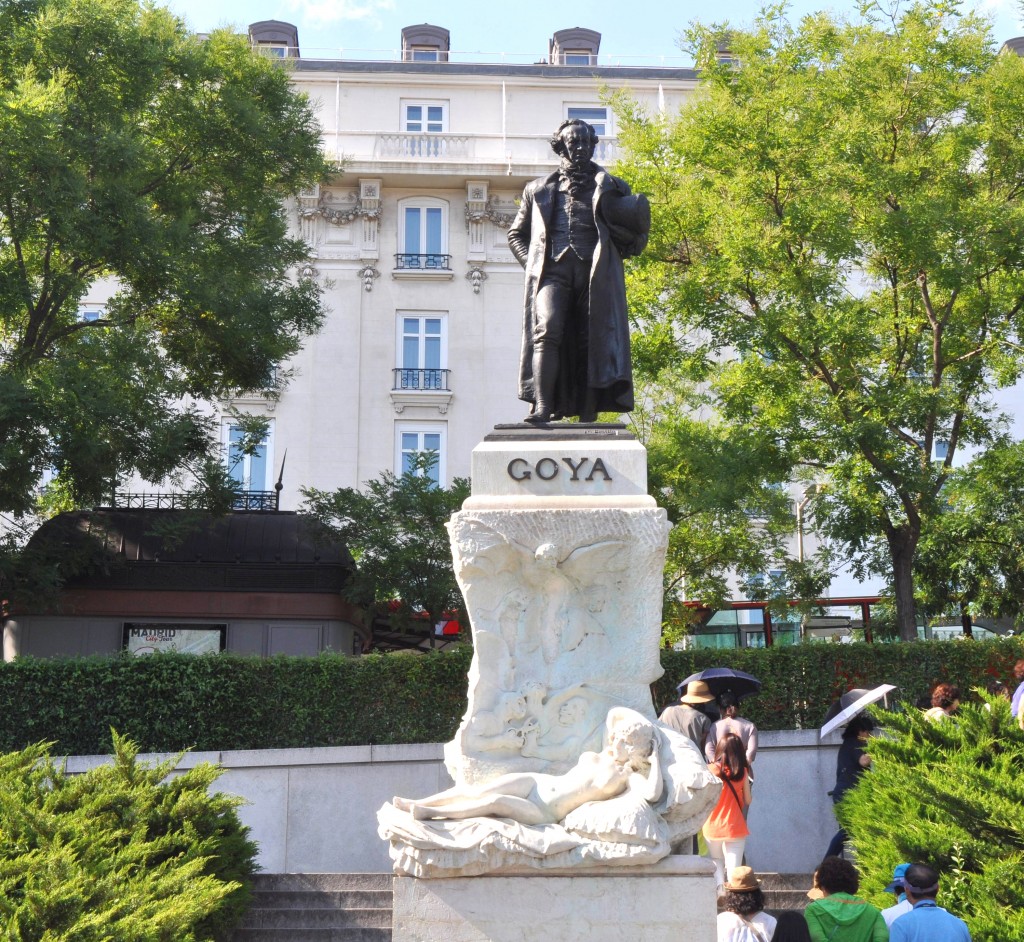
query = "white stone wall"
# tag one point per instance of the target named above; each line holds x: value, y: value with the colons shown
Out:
x: 314, y: 810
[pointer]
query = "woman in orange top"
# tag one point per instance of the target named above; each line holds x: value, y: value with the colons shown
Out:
x: 726, y: 828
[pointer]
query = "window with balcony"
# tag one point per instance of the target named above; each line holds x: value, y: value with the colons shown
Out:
x: 422, y: 348
x: 414, y: 439
x: 425, y: 117
x: 250, y: 469
x: 423, y: 235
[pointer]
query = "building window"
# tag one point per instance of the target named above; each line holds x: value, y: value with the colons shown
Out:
x: 425, y: 54
x: 90, y: 312
x: 941, y: 450
x: 274, y: 50
x: 415, y: 439
x: 577, y: 57
x: 425, y: 117
x: 596, y: 117
x: 422, y: 348
x: 251, y: 472
x: 423, y: 235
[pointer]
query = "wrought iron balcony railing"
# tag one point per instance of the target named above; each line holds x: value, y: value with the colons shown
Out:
x: 423, y: 262
x: 244, y: 500
x: 420, y: 379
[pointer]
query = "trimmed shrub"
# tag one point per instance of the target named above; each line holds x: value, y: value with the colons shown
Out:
x: 949, y: 794
x: 170, y: 702
x: 124, y: 851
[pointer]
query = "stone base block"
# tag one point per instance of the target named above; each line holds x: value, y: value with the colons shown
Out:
x: 671, y: 901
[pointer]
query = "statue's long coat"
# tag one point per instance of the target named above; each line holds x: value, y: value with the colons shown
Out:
x: 604, y: 382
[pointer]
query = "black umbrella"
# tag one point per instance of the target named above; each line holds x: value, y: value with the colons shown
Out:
x: 725, y: 680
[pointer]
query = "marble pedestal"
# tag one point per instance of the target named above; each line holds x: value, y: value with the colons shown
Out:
x: 671, y: 901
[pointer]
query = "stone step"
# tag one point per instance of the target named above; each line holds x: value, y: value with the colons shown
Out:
x: 350, y: 934
x: 321, y: 899
x: 320, y: 882
x: 319, y: 918
x: 785, y: 890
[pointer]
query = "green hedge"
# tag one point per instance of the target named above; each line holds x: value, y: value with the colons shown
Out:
x: 169, y: 702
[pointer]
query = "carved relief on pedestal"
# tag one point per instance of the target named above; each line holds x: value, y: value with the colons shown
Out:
x: 565, y: 608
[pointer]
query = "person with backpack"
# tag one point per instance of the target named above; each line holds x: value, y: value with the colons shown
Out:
x: 726, y: 827
x: 741, y: 903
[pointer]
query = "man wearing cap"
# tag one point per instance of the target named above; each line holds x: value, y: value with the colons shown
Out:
x: 685, y: 719
x: 927, y: 921
x: 903, y: 905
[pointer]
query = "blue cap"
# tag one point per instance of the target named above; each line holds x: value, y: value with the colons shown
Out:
x: 896, y: 886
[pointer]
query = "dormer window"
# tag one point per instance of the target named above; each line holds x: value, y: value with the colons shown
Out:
x: 425, y: 43
x: 275, y: 39
x: 576, y: 46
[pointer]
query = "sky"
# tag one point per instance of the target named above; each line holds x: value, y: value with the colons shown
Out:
x: 519, y: 31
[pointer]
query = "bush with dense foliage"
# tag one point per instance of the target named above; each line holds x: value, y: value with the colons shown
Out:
x: 949, y: 794
x: 169, y: 702
x: 122, y: 851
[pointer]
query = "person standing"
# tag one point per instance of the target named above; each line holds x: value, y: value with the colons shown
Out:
x: 685, y: 718
x: 1018, y: 694
x: 851, y: 763
x: 732, y: 722
x: 839, y: 915
x: 927, y: 921
x: 573, y: 229
x: 902, y: 905
x: 726, y: 827
x: 741, y: 916
x: 945, y: 702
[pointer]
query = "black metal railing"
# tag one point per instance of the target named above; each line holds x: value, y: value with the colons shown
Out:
x: 244, y: 500
x: 423, y: 262
x: 420, y: 379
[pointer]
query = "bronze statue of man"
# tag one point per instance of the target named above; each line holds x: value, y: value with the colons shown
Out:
x: 573, y: 229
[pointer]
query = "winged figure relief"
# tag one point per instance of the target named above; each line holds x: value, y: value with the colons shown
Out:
x: 568, y: 588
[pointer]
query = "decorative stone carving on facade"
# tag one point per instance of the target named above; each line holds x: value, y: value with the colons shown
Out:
x: 438, y: 399
x: 342, y: 215
x: 476, y: 277
x: 369, y: 274
x: 494, y: 211
x: 308, y: 273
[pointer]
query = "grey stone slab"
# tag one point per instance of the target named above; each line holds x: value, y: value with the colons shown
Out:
x: 321, y: 882
x: 326, y: 755
x: 265, y: 811
x: 322, y: 899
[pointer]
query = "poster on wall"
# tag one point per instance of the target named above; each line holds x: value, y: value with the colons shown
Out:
x: 151, y: 637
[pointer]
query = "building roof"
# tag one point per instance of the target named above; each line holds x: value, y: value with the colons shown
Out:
x: 189, y: 550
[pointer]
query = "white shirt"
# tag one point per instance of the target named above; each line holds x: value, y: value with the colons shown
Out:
x: 904, y: 906
x: 733, y: 928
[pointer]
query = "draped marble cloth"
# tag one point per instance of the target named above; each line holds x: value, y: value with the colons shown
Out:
x: 624, y: 830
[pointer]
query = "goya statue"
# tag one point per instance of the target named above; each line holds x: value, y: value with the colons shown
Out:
x: 573, y: 229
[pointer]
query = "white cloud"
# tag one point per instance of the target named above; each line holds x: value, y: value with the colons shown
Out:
x: 334, y: 11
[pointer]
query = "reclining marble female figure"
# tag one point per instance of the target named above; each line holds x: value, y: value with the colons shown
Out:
x: 629, y: 803
x: 629, y: 762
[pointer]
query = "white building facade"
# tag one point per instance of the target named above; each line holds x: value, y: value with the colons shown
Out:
x: 420, y: 347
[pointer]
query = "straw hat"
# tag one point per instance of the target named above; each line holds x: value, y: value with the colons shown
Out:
x: 742, y: 880
x: 697, y: 692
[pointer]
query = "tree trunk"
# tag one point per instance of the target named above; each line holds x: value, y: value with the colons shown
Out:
x: 902, y: 549
x: 967, y: 622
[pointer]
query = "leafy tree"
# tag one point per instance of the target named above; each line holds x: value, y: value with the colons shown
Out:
x: 395, y: 531
x: 971, y: 560
x: 119, y: 852
x: 949, y: 794
x: 838, y: 254
x: 724, y: 489
x: 138, y: 155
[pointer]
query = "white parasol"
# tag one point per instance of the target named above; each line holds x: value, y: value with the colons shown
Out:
x: 850, y: 704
